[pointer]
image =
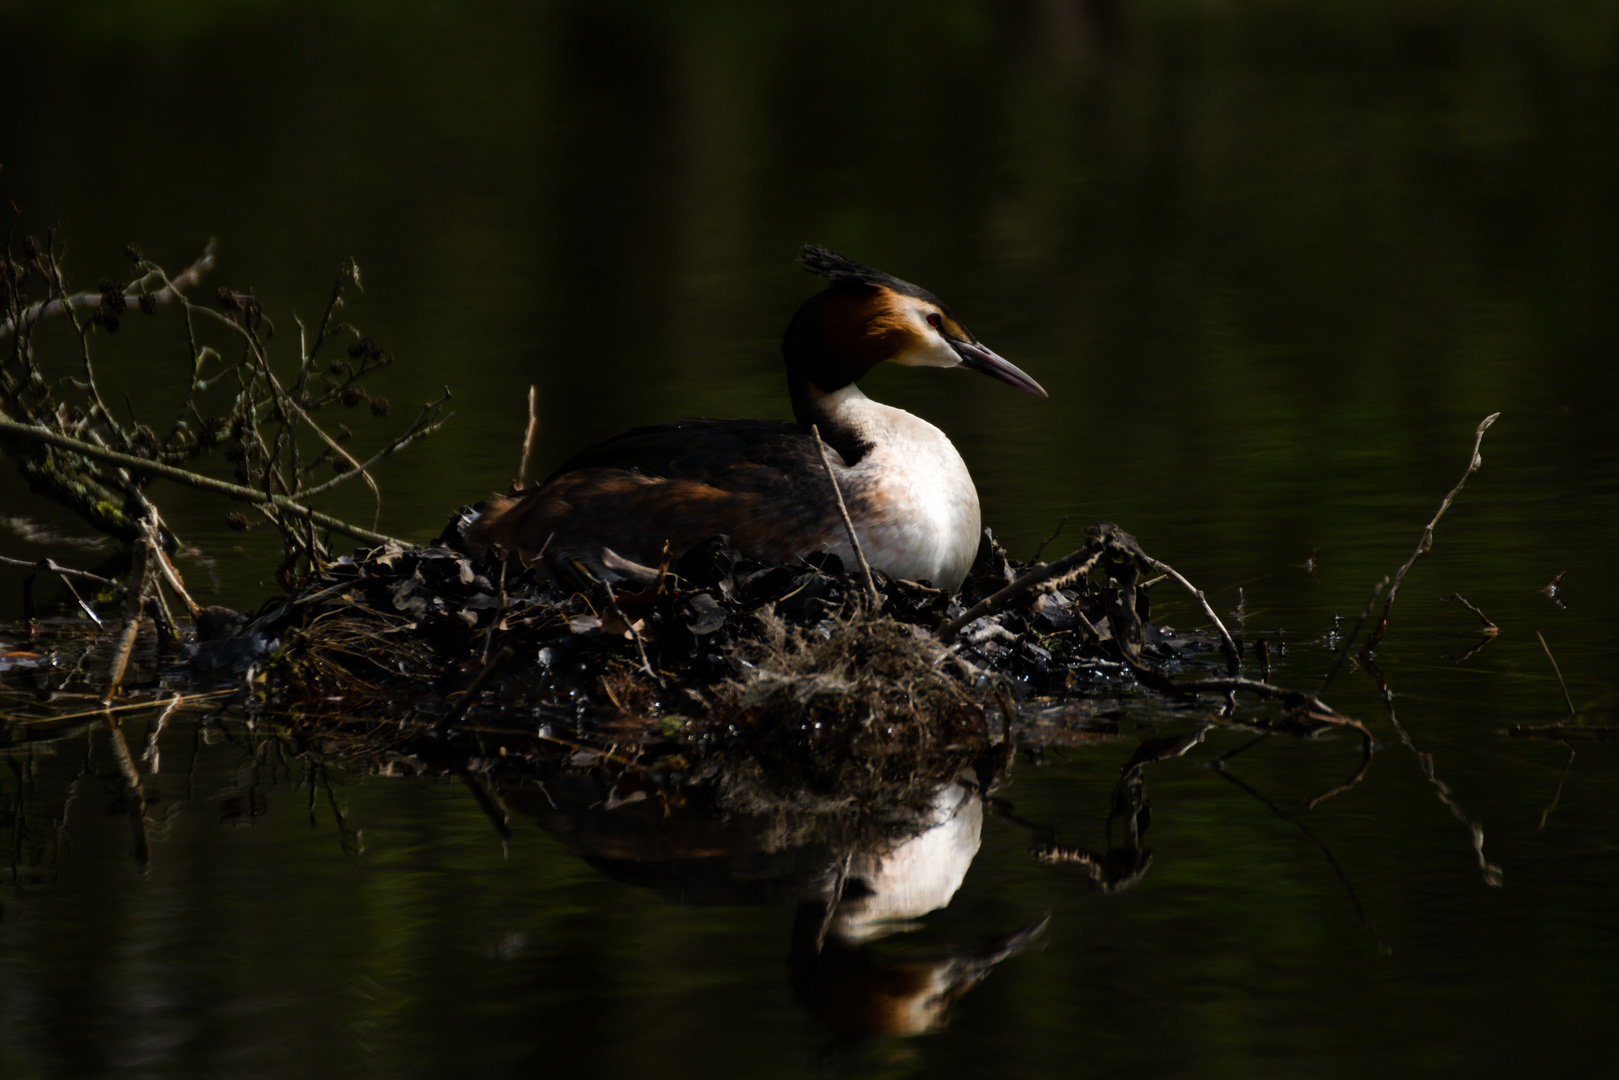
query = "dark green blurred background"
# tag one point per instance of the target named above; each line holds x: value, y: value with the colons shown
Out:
x: 1273, y: 261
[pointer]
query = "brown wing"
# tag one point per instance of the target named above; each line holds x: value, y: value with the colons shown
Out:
x: 760, y: 482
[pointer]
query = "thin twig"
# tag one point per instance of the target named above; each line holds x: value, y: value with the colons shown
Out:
x: 1227, y: 645
x: 1568, y: 700
x: 417, y: 430
x: 1426, y: 543
x: 640, y: 646
x: 528, y: 439
x: 1343, y: 653
x: 1080, y: 562
x: 1041, y: 550
x: 848, y: 523
x: 51, y: 566
x: 1457, y: 598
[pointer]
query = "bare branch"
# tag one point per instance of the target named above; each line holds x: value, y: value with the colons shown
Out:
x: 196, y: 480
x: 1426, y: 543
x: 172, y: 288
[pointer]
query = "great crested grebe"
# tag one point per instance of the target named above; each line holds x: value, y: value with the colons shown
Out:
x: 609, y: 510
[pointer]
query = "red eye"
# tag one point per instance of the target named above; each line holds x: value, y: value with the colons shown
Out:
x: 934, y: 320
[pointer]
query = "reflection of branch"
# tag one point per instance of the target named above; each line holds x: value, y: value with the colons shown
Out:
x: 1558, y: 794
x: 1123, y: 865
x: 1343, y: 654
x: 1426, y: 543
x: 1491, y: 872
x: 345, y: 836
x: 1332, y: 861
x: 142, y: 850
x: 489, y: 802
x: 1569, y: 764
x: 1306, y: 708
x: 1558, y: 672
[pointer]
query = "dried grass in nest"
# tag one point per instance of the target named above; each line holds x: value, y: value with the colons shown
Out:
x: 859, y: 712
x: 354, y: 660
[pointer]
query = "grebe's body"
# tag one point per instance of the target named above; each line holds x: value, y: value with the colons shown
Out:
x: 610, y: 510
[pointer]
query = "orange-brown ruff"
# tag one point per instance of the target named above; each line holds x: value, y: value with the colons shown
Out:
x: 609, y: 510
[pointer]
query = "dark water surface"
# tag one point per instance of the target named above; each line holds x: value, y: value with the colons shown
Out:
x: 1273, y: 262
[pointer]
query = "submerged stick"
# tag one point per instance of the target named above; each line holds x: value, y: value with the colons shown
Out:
x: 848, y: 522
x: 1426, y: 543
x: 196, y: 480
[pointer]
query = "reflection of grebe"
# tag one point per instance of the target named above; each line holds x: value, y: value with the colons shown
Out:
x: 858, y: 992
x: 609, y: 510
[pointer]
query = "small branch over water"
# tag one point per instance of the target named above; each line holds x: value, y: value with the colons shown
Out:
x: 1426, y: 543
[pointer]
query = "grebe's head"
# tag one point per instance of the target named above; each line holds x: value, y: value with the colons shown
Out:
x: 865, y: 317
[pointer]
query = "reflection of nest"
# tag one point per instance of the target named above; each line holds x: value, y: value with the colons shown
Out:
x: 868, y: 705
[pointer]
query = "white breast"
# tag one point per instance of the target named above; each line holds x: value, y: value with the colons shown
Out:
x: 917, y: 515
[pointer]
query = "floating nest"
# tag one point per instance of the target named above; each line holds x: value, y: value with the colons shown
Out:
x: 780, y: 684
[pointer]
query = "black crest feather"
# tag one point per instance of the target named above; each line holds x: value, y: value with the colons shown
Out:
x: 839, y: 271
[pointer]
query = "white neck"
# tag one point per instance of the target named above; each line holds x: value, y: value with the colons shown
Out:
x: 918, y: 514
